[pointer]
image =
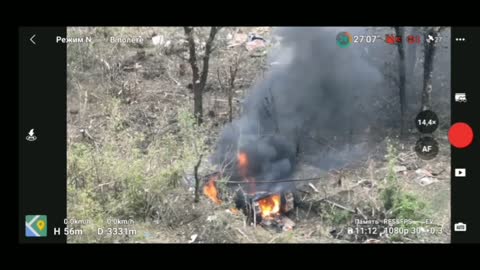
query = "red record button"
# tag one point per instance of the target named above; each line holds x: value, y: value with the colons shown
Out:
x: 460, y: 135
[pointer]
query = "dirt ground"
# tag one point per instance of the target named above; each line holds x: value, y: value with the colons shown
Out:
x: 320, y: 215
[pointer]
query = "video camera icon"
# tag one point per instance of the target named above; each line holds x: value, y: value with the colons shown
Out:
x: 460, y: 227
x: 460, y: 97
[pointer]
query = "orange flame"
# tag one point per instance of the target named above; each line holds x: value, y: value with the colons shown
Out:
x: 210, y: 190
x: 270, y: 206
x: 242, y: 163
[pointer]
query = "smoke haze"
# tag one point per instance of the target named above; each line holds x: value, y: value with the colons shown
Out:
x: 312, y: 87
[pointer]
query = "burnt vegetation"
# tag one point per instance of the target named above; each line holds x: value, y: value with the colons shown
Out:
x: 254, y: 134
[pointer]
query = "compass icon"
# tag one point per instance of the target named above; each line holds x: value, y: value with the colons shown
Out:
x: 344, y: 39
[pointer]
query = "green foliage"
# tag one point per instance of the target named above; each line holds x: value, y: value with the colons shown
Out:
x: 112, y: 178
x: 391, y: 190
x: 407, y: 206
x: 340, y: 217
x: 398, y: 203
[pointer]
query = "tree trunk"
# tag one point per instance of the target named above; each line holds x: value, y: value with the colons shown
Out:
x: 206, y: 57
x: 411, y: 58
x: 428, y: 72
x: 197, y: 180
x: 400, y: 31
x: 197, y: 90
x: 199, y: 80
x: 230, y: 105
x: 231, y: 87
x: 411, y: 61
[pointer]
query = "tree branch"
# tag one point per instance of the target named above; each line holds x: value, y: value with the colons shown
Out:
x: 193, y: 56
x: 206, y: 57
x: 199, y: 80
x: 197, y: 180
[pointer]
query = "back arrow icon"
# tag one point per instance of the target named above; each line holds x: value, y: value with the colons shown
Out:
x: 31, y: 39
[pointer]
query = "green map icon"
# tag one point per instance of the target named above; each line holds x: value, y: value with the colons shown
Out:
x: 36, y: 226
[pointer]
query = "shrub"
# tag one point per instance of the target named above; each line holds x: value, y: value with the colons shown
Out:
x: 399, y: 204
x: 112, y: 177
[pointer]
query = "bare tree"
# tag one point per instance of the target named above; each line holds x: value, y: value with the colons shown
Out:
x: 400, y: 32
x: 229, y: 85
x: 411, y: 57
x: 199, y: 80
x: 430, y: 48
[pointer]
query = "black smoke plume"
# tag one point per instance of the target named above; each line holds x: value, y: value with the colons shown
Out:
x: 312, y: 87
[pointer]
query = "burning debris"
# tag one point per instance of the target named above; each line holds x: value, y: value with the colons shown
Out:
x: 269, y: 207
x: 271, y: 210
x: 210, y: 190
x: 296, y: 99
x: 261, y: 207
x: 293, y: 102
